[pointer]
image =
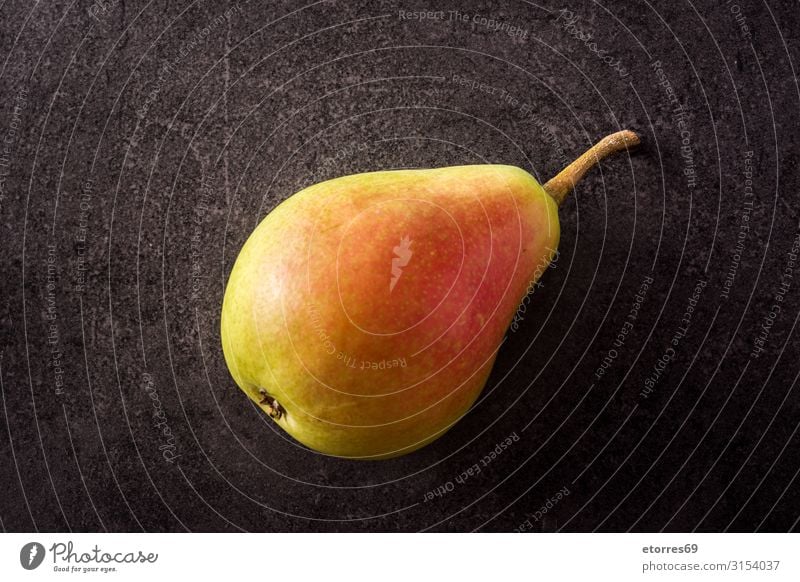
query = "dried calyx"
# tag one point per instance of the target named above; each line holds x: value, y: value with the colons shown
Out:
x: 270, y: 405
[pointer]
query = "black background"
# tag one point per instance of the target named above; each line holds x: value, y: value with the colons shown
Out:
x: 278, y: 95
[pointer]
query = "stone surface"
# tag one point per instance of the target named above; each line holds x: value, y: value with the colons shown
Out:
x: 144, y: 141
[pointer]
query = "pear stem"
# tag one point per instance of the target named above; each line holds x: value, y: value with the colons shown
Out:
x: 565, y: 181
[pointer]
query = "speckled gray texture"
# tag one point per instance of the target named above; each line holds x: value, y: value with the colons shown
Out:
x: 150, y: 138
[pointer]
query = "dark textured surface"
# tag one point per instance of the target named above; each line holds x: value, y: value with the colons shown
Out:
x: 108, y: 144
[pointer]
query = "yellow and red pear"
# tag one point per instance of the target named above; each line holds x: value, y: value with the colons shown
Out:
x: 364, y: 313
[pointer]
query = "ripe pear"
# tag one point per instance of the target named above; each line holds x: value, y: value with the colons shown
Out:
x: 364, y: 313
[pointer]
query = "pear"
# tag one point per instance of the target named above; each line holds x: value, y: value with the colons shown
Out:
x: 364, y: 313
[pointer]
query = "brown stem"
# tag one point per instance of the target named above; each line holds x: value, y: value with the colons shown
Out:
x: 565, y: 181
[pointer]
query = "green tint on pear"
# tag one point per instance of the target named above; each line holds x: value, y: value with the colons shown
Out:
x: 364, y: 314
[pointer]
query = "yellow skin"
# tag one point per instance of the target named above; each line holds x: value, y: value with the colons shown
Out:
x: 364, y: 313
x: 361, y: 368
